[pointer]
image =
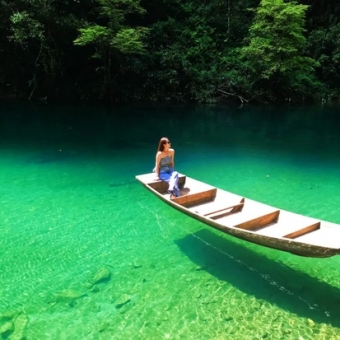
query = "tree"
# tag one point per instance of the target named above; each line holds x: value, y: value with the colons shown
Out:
x: 275, y: 65
x: 324, y: 46
x: 112, y: 38
x: 189, y: 45
x: 37, y: 40
x: 184, y: 50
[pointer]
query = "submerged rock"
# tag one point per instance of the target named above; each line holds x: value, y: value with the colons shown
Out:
x: 20, y: 324
x: 6, y: 329
x: 123, y: 300
x: 95, y: 289
x: 136, y: 265
x: 102, y: 275
x: 103, y: 327
x: 8, y: 315
x: 68, y: 296
x: 88, y: 285
x: 311, y: 323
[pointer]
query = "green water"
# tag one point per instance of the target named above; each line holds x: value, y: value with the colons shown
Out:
x: 87, y: 253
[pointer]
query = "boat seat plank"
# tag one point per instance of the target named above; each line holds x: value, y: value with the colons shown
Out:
x: 287, y: 226
x: 326, y: 237
x: 303, y: 231
x: 249, y: 212
x: 232, y: 209
x: 222, y: 201
x: 259, y: 222
x: 238, y: 206
x: 196, y: 198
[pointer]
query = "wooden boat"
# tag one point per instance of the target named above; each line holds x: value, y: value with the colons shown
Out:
x: 249, y: 220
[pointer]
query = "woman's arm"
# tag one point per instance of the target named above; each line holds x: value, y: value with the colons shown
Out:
x: 156, y: 168
x: 173, y: 158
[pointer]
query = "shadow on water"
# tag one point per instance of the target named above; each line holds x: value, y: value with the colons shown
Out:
x: 257, y: 275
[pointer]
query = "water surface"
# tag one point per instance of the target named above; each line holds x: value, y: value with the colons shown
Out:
x: 87, y: 253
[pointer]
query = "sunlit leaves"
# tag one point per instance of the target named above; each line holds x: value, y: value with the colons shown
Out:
x: 130, y: 40
x: 25, y: 27
x: 116, y: 33
x: 92, y: 34
x: 275, y: 49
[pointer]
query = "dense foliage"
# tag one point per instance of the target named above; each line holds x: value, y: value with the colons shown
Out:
x: 166, y: 50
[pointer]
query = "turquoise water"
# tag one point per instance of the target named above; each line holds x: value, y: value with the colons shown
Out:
x: 87, y: 253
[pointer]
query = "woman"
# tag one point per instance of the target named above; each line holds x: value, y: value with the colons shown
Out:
x: 165, y: 164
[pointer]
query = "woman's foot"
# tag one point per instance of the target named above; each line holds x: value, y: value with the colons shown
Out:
x: 176, y: 192
x: 172, y: 194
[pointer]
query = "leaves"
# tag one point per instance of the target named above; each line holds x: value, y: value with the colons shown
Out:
x: 93, y: 35
x: 180, y: 50
x: 24, y: 27
x: 130, y: 40
x: 274, y: 54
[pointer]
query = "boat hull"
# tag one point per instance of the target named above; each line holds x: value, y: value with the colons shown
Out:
x: 252, y: 228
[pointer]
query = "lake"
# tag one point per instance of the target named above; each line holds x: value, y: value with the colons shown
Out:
x: 87, y: 253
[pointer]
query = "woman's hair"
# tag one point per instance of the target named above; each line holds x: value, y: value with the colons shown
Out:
x: 161, y: 143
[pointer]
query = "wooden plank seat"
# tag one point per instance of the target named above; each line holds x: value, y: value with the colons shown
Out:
x: 260, y: 221
x: 162, y: 187
x: 196, y: 198
x: 327, y: 237
x: 231, y: 209
x: 290, y: 226
x: 254, y: 216
x: 303, y: 231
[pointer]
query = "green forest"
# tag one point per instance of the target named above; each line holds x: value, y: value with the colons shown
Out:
x: 185, y: 51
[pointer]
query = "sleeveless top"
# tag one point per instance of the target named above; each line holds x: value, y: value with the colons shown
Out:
x: 165, y: 165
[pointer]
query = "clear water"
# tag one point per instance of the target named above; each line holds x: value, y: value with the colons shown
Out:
x: 87, y: 253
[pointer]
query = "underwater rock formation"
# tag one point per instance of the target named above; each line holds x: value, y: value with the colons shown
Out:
x: 102, y: 275
x: 123, y: 300
x: 68, y: 296
x: 6, y: 329
x: 14, y: 325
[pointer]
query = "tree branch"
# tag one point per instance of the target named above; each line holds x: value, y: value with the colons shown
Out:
x: 234, y: 95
